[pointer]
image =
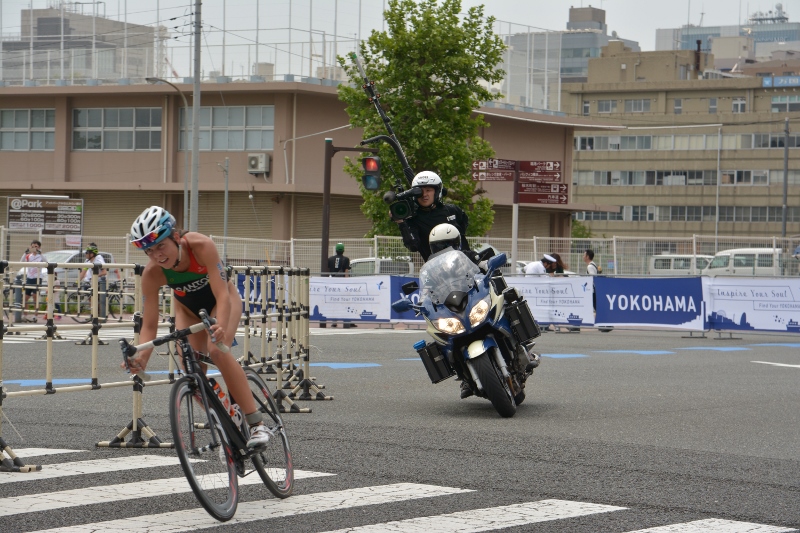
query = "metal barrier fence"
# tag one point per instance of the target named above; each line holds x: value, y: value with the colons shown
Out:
x: 276, y: 327
x: 617, y: 255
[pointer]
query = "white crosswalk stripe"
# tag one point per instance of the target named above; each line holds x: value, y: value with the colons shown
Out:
x: 194, y: 518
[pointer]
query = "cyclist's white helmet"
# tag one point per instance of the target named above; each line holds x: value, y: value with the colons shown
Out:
x: 444, y: 235
x: 151, y: 227
x: 426, y: 178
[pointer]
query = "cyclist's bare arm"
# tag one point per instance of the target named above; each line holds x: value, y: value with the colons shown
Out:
x: 205, y: 251
x: 153, y: 279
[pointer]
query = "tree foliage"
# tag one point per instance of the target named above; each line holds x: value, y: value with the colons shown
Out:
x: 580, y: 230
x: 428, y: 67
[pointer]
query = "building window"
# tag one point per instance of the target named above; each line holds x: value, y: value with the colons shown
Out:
x: 712, y: 106
x: 116, y: 129
x: 783, y: 104
x: 585, y: 108
x: 739, y: 105
x: 232, y: 128
x: 606, y: 106
x: 678, y: 106
x: 27, y: 129
x: 637, y: 106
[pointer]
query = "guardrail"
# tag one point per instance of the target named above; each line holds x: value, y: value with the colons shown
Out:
x: 275, y: 313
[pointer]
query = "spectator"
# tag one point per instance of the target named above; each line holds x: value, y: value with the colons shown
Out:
x: 32, y: 277
x: 93, y: 257
x: 560, y: 266
x: 541, y: 268
x: 339, y: 264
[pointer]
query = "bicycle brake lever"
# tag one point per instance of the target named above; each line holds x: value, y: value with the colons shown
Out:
x: 128, y: 351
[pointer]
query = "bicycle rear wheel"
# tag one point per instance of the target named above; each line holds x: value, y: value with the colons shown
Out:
x: 203, y: 450
x: 274, y: 462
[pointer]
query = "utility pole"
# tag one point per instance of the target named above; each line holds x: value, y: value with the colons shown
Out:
x: 225, y: 216
x: 785, y: 175
x: 195, y: 119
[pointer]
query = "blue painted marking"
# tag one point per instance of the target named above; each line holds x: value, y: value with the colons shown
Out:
x: 563, y: 355
x: 338, y: 366
x: 43, y: 382
x: 638, y: 352
x: 718, y: 348
x: 787, y: 344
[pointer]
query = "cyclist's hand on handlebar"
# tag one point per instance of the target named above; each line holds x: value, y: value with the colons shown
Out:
x: 136, y: 364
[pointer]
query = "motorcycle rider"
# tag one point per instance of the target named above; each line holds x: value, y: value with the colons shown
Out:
x: 432, y: 211
x: 445, y: 237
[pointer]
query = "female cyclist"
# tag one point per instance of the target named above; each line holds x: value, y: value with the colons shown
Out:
x: 189, y: 263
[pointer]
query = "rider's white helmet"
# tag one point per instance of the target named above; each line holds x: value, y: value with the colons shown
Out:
x: 426, y: 178
x: 151, y: 227
x: 444, y: 235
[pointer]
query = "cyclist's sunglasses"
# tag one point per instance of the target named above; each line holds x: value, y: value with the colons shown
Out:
x: 148, y: 240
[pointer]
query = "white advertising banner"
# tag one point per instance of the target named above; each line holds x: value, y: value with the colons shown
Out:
x: 557, y: 300
x: 752, y: 304
x: 359, y: 298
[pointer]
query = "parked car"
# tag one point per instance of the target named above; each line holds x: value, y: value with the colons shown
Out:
x: 668, y: 264
x: 70, y: 276
x: 746, y: 262
x: 370, y: 266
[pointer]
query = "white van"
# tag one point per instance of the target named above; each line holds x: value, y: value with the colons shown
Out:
x: 370, y: 266
x: 668, y: 264
x: 746, y: 262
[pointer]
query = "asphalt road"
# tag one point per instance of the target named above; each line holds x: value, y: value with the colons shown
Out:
x: 620, y: 432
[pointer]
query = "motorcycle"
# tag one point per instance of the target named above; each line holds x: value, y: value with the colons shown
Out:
x: 482, y: 329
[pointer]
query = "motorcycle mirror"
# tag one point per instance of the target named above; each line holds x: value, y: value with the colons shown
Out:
x: 401, y: 306
x: 410, y: 287
x: 496, y: 262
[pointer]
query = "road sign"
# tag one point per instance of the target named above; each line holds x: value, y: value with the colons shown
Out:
x: 540, y: 177
x: 51, y: 216
x: 501, y: 164
x: 540, y: 166
x: 478, y: 165
x: 541, y: 198
x: 493, y: 175
x: 543, y: 188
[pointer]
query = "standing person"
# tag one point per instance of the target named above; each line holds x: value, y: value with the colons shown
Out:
x: 561, y: 266
x: 32, y: 255
x: 593, y: 270
x: 93, y: 257
x: 432, y: 211
x: 189, y: 263
x: 541, y: 268
x: 339, y: 264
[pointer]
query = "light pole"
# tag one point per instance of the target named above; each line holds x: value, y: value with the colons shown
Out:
x: 185, y: 151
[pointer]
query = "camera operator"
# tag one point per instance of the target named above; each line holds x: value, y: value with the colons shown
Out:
x: 430, y: 213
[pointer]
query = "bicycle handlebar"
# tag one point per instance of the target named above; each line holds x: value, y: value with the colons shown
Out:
x: 129, y: 350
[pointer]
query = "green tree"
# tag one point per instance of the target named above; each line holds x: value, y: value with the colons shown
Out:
x: 428, y: 66
x: 580, y: 230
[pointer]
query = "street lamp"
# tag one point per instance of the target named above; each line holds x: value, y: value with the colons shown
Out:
x: 185, y: 151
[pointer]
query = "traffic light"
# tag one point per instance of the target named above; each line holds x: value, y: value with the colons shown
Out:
x: 372, y: 173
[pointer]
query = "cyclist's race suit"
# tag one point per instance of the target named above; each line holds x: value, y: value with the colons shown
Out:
x: 192, y: 288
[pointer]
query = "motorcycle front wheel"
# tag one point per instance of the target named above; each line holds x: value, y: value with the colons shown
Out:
x: 494, y: 385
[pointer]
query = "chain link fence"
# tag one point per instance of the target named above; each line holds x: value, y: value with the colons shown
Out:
x: 617, y: 256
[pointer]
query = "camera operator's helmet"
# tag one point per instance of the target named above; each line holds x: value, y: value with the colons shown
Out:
x: 151, y: 227
x: 426, y: 178
x: 444, y: 235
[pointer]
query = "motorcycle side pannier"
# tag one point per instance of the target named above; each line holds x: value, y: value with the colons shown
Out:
x: 436, y: 363
x: 522, y: 323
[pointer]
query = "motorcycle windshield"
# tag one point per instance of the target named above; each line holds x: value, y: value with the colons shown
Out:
x: 445, y: 273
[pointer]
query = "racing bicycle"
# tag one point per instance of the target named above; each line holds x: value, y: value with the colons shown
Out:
x: 211, y: 446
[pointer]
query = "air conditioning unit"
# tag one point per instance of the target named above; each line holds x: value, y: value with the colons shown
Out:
x: 258, y: 163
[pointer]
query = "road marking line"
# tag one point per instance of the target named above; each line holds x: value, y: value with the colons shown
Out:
x: 714, y: 525
x: 488, y: 519
x: 775, y: 364
x: 95, y: 466
x: 49, y: 501
x: 193, y: 519
x: 24, y: 453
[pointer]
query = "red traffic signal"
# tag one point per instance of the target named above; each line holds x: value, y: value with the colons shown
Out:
x: 372, y: 173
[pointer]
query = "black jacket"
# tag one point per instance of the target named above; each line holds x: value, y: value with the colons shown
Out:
x: 417, y: 229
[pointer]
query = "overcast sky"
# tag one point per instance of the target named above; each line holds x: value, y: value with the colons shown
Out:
x: 631, y: 19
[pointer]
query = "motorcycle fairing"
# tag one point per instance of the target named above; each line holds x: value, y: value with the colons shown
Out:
x: 480, y: 346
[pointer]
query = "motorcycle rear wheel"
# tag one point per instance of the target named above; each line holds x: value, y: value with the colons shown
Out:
x: 494, y: 386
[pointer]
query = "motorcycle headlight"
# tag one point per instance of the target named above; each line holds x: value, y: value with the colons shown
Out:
x: 479, y: 312
x: 451, y: 326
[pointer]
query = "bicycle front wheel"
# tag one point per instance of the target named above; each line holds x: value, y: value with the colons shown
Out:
x: 274, y: 462
x: 203, y: 450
